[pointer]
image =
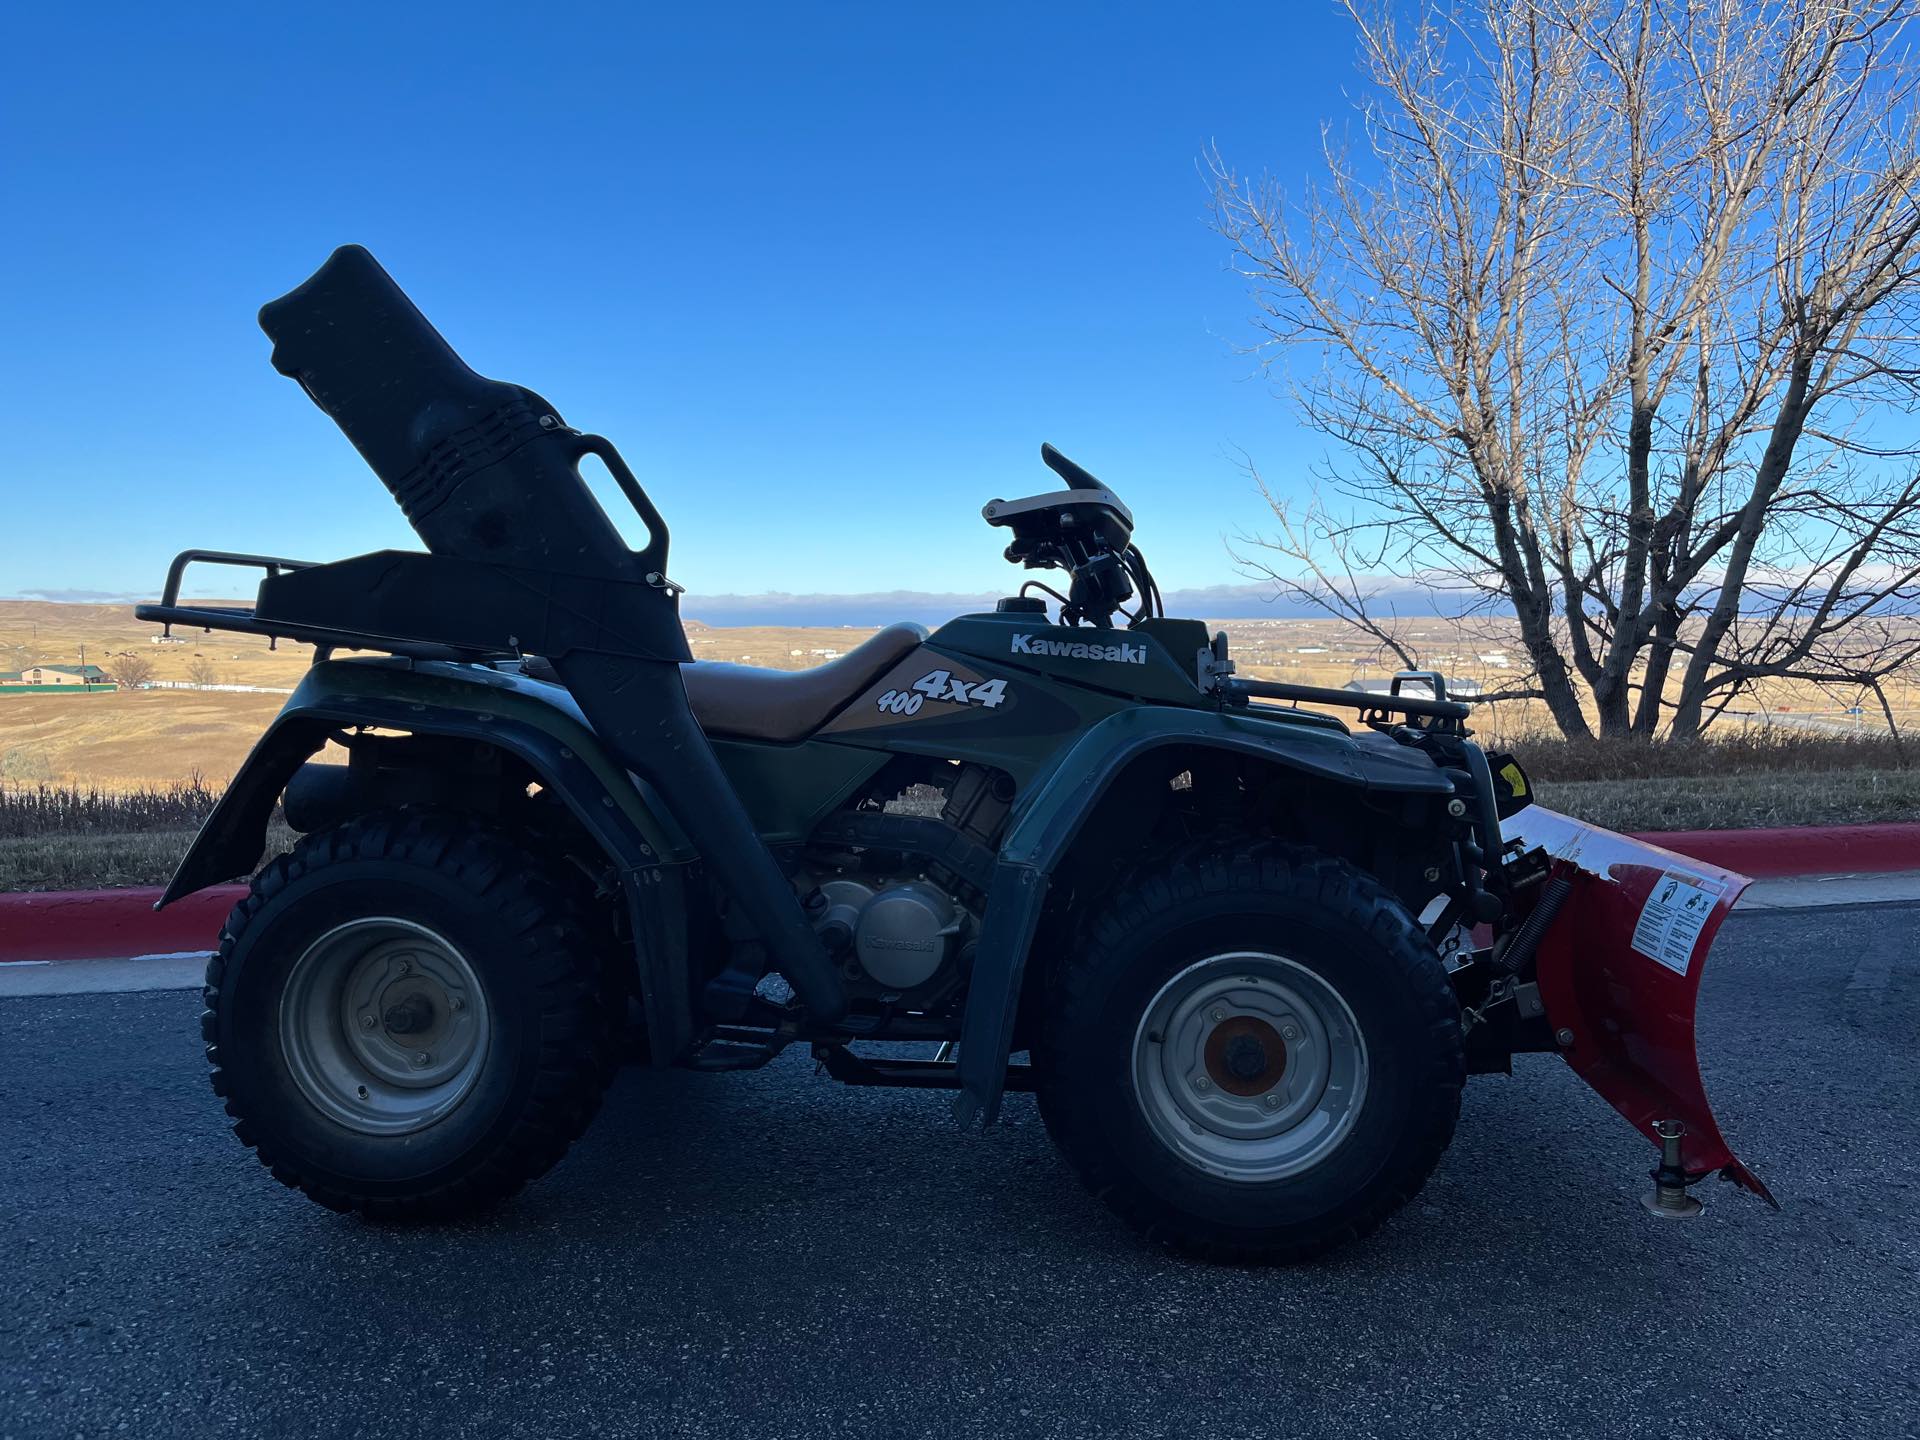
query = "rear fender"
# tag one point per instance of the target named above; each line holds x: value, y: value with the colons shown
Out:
x: 428, y: 699
x: 1619, y: 974
x: 516, y: 716
x: 1049, y: 817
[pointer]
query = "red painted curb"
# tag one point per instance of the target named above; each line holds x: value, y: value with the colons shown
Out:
x: 114, y: 924
x: 1799, y: 850
x: 110, y: 924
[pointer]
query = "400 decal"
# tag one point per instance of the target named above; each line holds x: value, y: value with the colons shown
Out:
x: 945, y: 688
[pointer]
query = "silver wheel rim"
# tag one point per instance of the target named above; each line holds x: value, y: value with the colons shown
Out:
x: 1249, y: 1066
x: 384, y: 1026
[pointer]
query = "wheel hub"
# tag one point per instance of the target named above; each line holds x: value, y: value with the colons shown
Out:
x: 384, y: 1025
x: 409, y: 1015
x: 1244, y: 1055
x: 1249, y: 1066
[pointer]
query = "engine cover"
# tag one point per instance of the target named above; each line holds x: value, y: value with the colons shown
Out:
x: 902, y: 934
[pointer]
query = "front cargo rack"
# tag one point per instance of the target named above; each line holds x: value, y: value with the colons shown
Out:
x: 246, y: 620
x: 1376, y: 709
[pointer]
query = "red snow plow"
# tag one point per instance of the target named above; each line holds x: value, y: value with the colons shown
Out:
x: 1622, y: 930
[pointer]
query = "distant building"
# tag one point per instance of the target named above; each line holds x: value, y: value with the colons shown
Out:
x: 56, y: 677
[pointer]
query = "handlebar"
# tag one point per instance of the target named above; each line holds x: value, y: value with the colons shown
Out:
x: 1077, y: 476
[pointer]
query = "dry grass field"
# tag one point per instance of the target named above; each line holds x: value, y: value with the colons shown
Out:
x: 158, y: 736
x: 154, y: 737
x: 129, y: 737
x: 41, y: 632
x: 1796, y: 758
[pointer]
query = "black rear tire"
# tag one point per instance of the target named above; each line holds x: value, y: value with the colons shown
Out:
x: 1329, y: 929
x: 530, y: 1080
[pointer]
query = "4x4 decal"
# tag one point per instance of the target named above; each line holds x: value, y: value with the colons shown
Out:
x: 945, y: 687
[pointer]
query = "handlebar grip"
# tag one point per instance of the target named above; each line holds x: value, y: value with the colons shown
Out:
x: 1076, y: 476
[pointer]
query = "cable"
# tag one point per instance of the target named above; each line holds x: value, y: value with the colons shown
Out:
x: 1038, y: 585
x: 1151, y: 605
x: 1137, y: 567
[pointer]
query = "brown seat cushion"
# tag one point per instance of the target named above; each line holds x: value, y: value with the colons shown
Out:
x: 789, y: 705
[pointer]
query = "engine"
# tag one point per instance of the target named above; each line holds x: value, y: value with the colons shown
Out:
x: 895, y: 939
x: 896, y: 894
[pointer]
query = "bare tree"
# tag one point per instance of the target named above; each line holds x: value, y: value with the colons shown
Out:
x: 130, y: 671
x: 202, y: 671
x: 1606, y: 312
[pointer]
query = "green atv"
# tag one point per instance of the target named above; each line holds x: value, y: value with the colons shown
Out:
x: 1236, y: 940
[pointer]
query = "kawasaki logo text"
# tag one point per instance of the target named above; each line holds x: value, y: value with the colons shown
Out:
x: 1073, y: 650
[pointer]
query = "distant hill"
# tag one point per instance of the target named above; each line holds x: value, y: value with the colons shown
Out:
x: 867, y: 609
x: 1216, y: 602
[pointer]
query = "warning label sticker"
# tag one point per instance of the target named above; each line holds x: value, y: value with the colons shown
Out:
x: 1671, y: 920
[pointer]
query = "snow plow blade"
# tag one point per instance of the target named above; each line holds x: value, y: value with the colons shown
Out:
x: 1619, y: 974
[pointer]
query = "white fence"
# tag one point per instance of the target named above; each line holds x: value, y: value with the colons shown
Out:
x: 229, y: 689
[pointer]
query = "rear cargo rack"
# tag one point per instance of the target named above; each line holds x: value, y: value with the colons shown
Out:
x: 245, y: 620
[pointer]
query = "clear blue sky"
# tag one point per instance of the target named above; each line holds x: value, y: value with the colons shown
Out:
x: 828, y: 275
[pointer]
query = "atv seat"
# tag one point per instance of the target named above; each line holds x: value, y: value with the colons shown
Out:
x: 789, y: 705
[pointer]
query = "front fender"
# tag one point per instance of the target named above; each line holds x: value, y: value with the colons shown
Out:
x: 1051, y: 814
x: 462, y: 701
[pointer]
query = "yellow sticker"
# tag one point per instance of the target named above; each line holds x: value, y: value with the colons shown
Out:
x: 1516, y: 781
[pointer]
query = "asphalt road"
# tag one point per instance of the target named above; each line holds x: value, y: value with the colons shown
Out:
x: 773, y: 1255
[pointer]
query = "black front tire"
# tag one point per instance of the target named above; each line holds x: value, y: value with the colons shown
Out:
x: 524, y: 938
x: 1317, y: 913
